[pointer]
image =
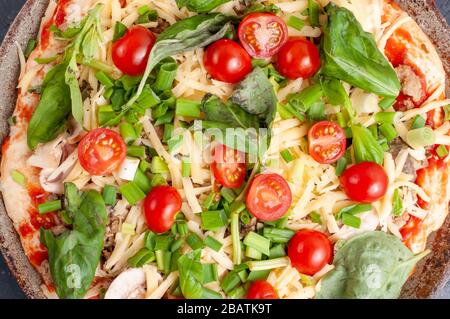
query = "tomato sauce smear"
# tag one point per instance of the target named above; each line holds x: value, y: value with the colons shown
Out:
x: 57, y: 19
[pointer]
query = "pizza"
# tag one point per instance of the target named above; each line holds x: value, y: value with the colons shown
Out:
x: 227, y: 149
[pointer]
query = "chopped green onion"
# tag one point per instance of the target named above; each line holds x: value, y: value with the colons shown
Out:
x: 446, y: 109
x: 418, y: 122
x: 277, y: 251
x: 149, y: 240
x: 119, y: 31
x: 65, y: 217
x: 385, y: 117
x: 159, y: 166
x: 210, y: 273
x: 128, y: 132
x: 194, y: 241
x: 187, y: 108
x: 142, y: 181
x: 253, y: 253
x: 386, y: 103
x: 105, y: 114
x: 46, y: 60
x: 388, y: 131
x: 163, y: 259
x: 104, y: 79
x: 212, y: 243
x: 341, y: 120
x: 143, y: 10
x: 258, y: 275
x: 185, y: 167
x: 230, y: 281
x: 269, y: 264
x: 295, y: 112
x: 397, y: 204
x: 141, y: 258
x: 341, y: 165
x: 175, y: 143
x: 374, y: 130
x: 182, y: 228
x: 237, y: 293
x: 48, y: 207
x: 307, y: 280
x: 210, y: 294
x: 317, y: 111
x: 166, y: 76
x: 144, y: 166
x: 211, y: 220
x: 158, y: 180
x: 351, y: 220
x: 132, y: 192
x: 243, y: 274
x: 163, y: 242
x: 276, y: 235
x: 296, y: 23
x: 237, y: 249
x: 110, y: 195
x: 128, y: 229
x: 18, y: 177
x: 421, y: 137
x: 148, y: 99
x: 31, y: 45
x: 245, y: 217
x: 284, y: 113
x: 354, y: 209
x: 177, y: 244
x: 228, y: 194
x: 258, y: 242
x: 287, y: 156
x: 441, y: 151
x: 207, y: 203
x: 313, y: 12
x: 316, y: 218
x: 168, y: 132
x: 136, y: 151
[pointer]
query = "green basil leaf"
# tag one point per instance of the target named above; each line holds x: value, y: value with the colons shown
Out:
x: 351, y: 55
x: 50, y: 116
x: 75, y: 254
x: 259, y: 7
x: 365, y: 146
x: 371, y: 265
x: 191, y: 275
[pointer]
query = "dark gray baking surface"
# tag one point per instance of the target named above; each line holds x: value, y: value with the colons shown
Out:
x: 9, y: 8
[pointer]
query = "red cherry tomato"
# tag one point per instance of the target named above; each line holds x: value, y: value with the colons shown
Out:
x: 130, y: 53
x: 101, y: 151
x: 298, y: 58
x: 228, y: 166
x: 365, y: 182
x: 326, y: 142
x: 226, y: 61
x: 309, y: 251
x: 262, y: 34
x: 161, y: 206
x: 269, y: 197
x: 261, y: 289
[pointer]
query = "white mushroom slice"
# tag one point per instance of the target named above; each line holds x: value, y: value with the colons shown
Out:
x: 47, y: 155
x: 128, y: 169
x: 52, y: 180
x: 128, y: 285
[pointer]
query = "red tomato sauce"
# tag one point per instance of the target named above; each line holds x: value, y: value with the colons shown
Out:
x: 410, y: 229
x: 57, y: 19
x: 36, y: 257
x: 5, y: 144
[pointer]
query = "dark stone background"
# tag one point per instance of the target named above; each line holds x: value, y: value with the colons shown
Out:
x: 8, y: 285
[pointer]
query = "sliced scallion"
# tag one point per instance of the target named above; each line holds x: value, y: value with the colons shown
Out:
x: 258, y: 275
x: 230, y: 281
x: 128, y: 132
x: 388, y: 131
x: 418, y: 122
x: 442, y: 151
x: 385, y: 117
x: 109, y: 195
x: 51, y: 206
x: 186, y: 167
x: 210, y: 273
x: 212, y: 243
x: 132, y: 192
x: 397, y: 204
x: 287, y: 156
x: 253, y: 253
x: 421, y: 137
x: 296, y: 23
x: 104, y: 79
x: 159, y: 166
x: 228, y: 194
x: 212, y: 220
x: 166, y: 76
x: 136, y: 151
x: 277, y: 251
x: 258, y: 242
x: 194, y: 241
x: 187, y: 108
x: 18, y: 177
x: 269, y: 264
x: 351, y: 220
x: 163, y: 242
x: 316, y: 218
x: 276, y: 235
x: 237, y: 249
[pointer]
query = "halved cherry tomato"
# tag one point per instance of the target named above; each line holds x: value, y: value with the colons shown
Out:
x: 261, y: 289
x: 309, y: 251
x: 228, y: 166
x: 161, y: 207
x: 262, y: 34
x: 101, y: 151
x: 365, y: 182
x: 298, y: 58
x: 269, y: 197
x: 130, y: 53
x: 326, y: 142
x: 226, y: 61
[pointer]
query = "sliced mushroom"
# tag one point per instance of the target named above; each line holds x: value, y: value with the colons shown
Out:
x: 48, y: 155
x: 52, y: 180
x: 128, y: 285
